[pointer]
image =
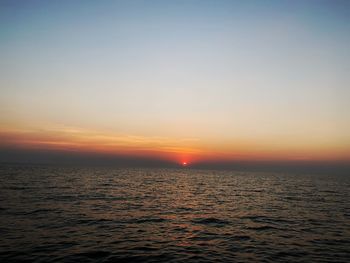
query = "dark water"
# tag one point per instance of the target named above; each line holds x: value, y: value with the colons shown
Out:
x: 165, y: 215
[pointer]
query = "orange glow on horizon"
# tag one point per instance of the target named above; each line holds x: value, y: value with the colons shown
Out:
x: 175, y: 150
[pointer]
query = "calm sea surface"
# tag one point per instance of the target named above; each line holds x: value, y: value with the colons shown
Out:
x: 169, y: 215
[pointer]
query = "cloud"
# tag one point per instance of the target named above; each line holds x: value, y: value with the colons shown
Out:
x: 77, y: 139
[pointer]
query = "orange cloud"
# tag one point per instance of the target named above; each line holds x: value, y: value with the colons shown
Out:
x: 179, y: 150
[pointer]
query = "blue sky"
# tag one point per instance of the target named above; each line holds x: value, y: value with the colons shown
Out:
x: 271, y: 75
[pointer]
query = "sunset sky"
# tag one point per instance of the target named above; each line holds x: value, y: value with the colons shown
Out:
x: 182, y: 81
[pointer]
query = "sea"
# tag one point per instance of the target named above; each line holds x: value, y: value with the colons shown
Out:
x: 69, y: 214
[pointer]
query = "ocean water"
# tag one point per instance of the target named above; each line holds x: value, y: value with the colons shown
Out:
x: 51, y: 214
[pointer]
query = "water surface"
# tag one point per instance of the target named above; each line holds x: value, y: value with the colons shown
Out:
x: 171, y: 215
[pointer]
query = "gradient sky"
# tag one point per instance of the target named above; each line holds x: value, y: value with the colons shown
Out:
x: 177, y: 80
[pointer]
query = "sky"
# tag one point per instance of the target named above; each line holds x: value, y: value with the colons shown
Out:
x: 176, y: 81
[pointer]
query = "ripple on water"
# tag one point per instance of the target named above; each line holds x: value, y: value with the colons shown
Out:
x: 51, y: 214
x: 261, y: 228
x: 145, y: 220
x: 211, y: 221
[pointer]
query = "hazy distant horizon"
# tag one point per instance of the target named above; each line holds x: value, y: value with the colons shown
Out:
x: 74, y: 159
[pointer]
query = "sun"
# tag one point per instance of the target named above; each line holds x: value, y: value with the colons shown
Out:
x: 184, y: 163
